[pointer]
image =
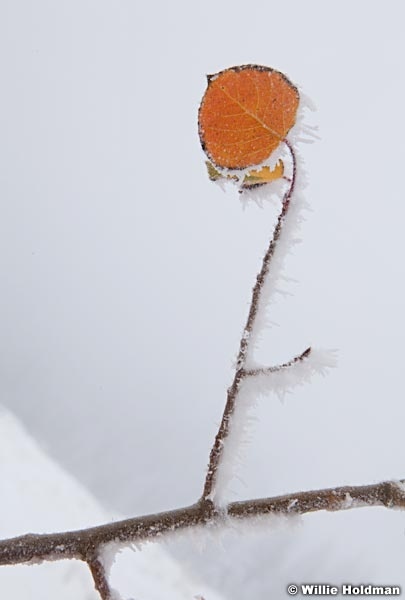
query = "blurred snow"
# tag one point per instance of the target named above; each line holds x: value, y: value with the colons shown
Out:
x: 37, y: 496
x: 126, y: 273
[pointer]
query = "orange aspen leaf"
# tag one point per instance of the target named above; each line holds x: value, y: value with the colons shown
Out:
x: 245, y: 113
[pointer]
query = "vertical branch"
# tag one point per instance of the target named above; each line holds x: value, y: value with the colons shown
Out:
x: 240, y: 373
x: 100, y: 578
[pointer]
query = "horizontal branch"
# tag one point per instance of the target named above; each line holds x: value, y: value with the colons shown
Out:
x: 85, y: 544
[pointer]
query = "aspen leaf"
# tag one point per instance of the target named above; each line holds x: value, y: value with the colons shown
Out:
x: 213, y: 173
x: 265, y: 175
x: 245, y: 113
x: 252, y: 178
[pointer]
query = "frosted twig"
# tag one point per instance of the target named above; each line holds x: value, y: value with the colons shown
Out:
x: 268, y: 370
x: 86, y: 544
x: 240, y: 373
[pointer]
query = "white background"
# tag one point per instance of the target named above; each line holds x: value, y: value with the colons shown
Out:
x: 126, y: 273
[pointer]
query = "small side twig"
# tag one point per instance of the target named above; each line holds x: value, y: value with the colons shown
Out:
x: 268, y: 370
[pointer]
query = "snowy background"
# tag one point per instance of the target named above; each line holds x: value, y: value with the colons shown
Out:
x: 126, y: 276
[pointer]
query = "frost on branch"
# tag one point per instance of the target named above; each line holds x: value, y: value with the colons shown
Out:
x: 273, y: 384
